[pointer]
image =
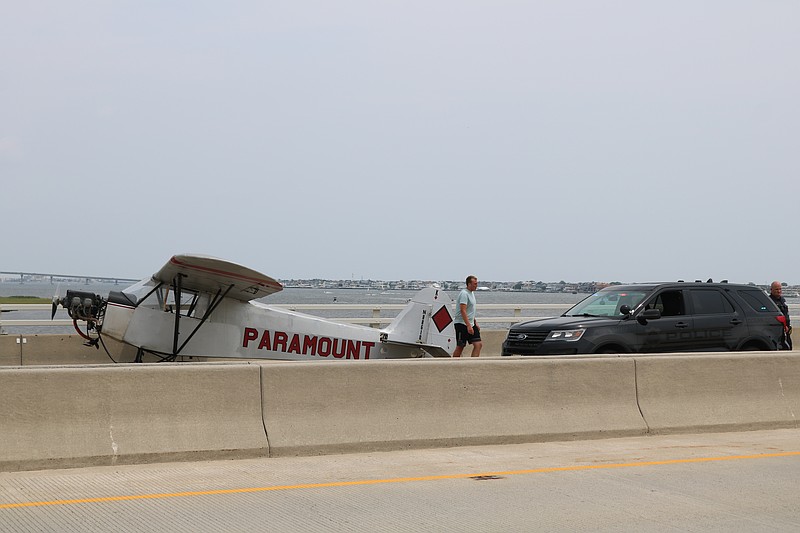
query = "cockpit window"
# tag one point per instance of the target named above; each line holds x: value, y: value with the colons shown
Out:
x: 151, y: 294
x: 607, y: 303
x: 140, y: 289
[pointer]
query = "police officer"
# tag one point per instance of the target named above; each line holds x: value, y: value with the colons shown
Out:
x: 776, y: 293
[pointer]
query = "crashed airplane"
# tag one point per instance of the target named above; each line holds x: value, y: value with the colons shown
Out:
x: 201, y: 306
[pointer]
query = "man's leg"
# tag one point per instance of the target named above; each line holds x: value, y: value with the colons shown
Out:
x: 461, y: 339
x: 476, y: 348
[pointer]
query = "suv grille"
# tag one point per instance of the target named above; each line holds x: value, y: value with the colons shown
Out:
x: 525, y: 340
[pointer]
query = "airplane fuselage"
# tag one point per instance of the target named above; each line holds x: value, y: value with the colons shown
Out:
x: 250, y: 330
x: 200, y: 306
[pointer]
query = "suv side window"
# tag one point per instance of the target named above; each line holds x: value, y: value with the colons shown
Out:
x: 710, y: 302
x: 670, y: 303
x: 758, y: 300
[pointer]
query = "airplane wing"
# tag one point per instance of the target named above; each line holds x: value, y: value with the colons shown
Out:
x: 209, y: 274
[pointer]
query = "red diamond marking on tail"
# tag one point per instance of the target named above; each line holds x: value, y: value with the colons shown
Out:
x: 442, y: 318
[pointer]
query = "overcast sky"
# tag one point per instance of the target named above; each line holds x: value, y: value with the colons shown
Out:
x: 513, y: 140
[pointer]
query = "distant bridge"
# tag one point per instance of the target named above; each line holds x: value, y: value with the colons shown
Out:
x: 65, y: 277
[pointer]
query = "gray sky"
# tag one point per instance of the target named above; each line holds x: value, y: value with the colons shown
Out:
x: 516, y: 140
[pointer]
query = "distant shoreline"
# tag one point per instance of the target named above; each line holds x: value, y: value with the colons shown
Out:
x: 790, y: 291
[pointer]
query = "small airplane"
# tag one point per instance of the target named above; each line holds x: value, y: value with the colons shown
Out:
x: 202, y: 306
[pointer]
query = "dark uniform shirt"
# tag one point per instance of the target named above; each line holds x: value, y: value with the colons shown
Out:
x: 787, y: 339
x: 781, y: 303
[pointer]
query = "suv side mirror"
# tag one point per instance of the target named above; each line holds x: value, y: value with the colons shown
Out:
x: 648, y: 314
x: 625, y: 310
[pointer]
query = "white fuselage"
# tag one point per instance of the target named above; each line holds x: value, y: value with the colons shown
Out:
x: 201, y: 306
x: 249, y: 330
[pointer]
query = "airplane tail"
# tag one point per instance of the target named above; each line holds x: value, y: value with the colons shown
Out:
x: 426, y: 322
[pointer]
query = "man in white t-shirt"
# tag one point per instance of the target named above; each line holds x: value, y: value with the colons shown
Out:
x: 467, y: 330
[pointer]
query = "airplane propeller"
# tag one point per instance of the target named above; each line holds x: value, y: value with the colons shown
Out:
x: 56, y: 300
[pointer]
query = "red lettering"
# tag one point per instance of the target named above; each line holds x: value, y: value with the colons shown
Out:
x: 353, y: 349
x: 338, y: 354
x: 310, y: 344
x: 326, y: 351
x: 250, y: 334
x: 279, y: 342
x: 264, y: 344
x: 294, y: 346
x: 367, y: 346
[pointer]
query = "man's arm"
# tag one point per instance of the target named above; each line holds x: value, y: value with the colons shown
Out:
x: 465, y: 317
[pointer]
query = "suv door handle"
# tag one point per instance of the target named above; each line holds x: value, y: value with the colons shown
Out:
x: 736, y: 321
x: 681, y: 325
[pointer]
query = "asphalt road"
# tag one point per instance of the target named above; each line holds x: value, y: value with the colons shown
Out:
x: 712, y: 482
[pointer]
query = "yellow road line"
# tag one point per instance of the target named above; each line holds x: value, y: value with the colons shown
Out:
x: 392, y: 480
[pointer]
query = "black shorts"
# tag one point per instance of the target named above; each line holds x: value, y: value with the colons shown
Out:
x: 463, y: 337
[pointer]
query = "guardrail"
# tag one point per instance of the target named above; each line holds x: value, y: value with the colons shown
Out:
x: 376, y: 315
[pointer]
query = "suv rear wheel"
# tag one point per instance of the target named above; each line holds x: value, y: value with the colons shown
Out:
x: 753, y: 347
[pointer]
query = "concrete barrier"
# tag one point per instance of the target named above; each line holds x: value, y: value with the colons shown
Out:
x: 10, y: 350
x: 315, y: 408
x: 46, y: 349
x: 59, y: 350
x: 719, y: 392
x: 54, y: 417
x: 98, y: 415
x: 492, y: 342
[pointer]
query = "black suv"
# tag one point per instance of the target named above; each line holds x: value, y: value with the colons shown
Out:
x: 656, y: 317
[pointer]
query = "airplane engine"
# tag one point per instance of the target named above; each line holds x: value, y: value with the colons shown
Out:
x: 82, y: 305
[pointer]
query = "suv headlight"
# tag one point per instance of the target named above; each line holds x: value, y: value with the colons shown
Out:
x: 565, y: 335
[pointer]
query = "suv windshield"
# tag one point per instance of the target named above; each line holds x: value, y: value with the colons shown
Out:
x: 607, y: 303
